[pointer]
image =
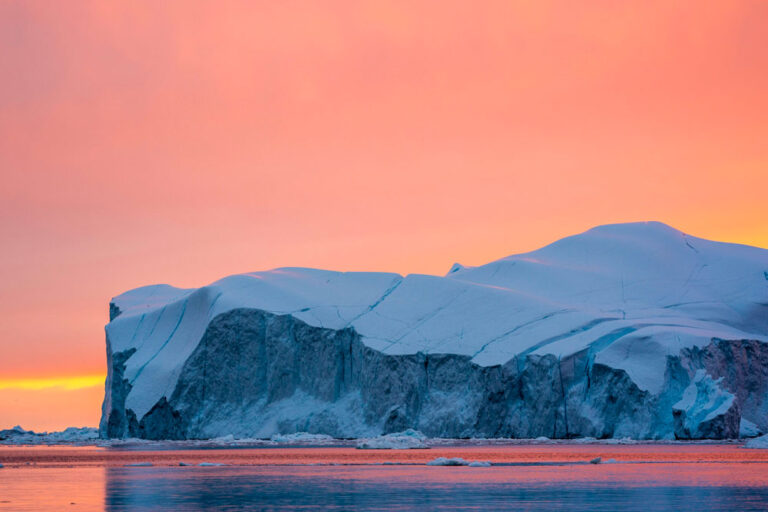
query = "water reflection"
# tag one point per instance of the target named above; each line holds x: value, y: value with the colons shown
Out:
x: 645, y: 477
x: 417, y: 488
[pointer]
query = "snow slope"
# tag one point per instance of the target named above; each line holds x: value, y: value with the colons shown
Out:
x: 625, y: 297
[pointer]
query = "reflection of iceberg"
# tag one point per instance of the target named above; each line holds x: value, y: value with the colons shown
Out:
x: 599, y: 334
x: 368, y: 488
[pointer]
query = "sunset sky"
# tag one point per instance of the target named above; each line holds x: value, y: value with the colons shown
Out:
x: 179, y: 142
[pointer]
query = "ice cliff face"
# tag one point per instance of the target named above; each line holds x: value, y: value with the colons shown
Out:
x: 630, y: 330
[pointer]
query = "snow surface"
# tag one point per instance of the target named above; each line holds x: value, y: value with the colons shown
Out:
x: 630, y: 293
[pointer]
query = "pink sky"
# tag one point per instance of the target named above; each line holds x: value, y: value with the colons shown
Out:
x: 180, y: 142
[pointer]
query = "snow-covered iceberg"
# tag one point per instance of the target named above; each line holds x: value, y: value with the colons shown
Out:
x: 628, y: 330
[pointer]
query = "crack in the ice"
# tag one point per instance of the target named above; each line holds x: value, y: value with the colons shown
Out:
x: 576, y: 330
x: 391, y: 319
x: 429, y: 316
x: 678, y: 304
x: 562, y: 393
x: 167, y: 340
x: 517, y: 328
x: 136, y: 330
x: 152, y: 330
x: 213, y: 303
x: 691, y: 246
x: 496, y: 271
x: 159, y: 316
x: 373, y: 306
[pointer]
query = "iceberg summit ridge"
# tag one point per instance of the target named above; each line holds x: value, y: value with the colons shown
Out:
x: 626, y: 330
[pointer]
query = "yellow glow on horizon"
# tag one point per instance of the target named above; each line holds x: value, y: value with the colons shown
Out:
x: 67, y: 383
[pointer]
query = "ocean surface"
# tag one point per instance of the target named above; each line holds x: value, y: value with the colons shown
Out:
x: 643, y: 477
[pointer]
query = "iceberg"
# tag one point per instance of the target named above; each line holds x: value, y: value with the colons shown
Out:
x: 635, y: 331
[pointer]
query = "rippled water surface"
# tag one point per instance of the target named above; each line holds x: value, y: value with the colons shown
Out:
x: 523, y: 477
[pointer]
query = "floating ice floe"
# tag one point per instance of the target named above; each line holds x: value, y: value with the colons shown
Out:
x: 748, y: 429
x: 458, y: 461
x: 443, y: 461
x: 302, y: 437
x: 407, y: 440
x: 758, y: 442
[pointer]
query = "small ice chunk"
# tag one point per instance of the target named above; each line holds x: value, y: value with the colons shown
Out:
x: 407, y: 440
x: 596, y: 460
x: 621, y: 440
x: 758, y: 442
x: 301, y: 437
x: 184, y: 464
x: 1, y: 466
x: 140, y: 464
x: 208, y: 464
x: 442, y: 461
x: 748, y: 429
x: 542, y: 439
x: 479, y: 464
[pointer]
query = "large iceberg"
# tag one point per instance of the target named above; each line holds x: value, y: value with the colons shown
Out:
x: 629, y: 330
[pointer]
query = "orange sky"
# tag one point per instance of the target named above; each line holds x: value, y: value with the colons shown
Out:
x: 183, y: 141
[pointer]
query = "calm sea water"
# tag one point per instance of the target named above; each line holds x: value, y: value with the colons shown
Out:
x: 523, y: 477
